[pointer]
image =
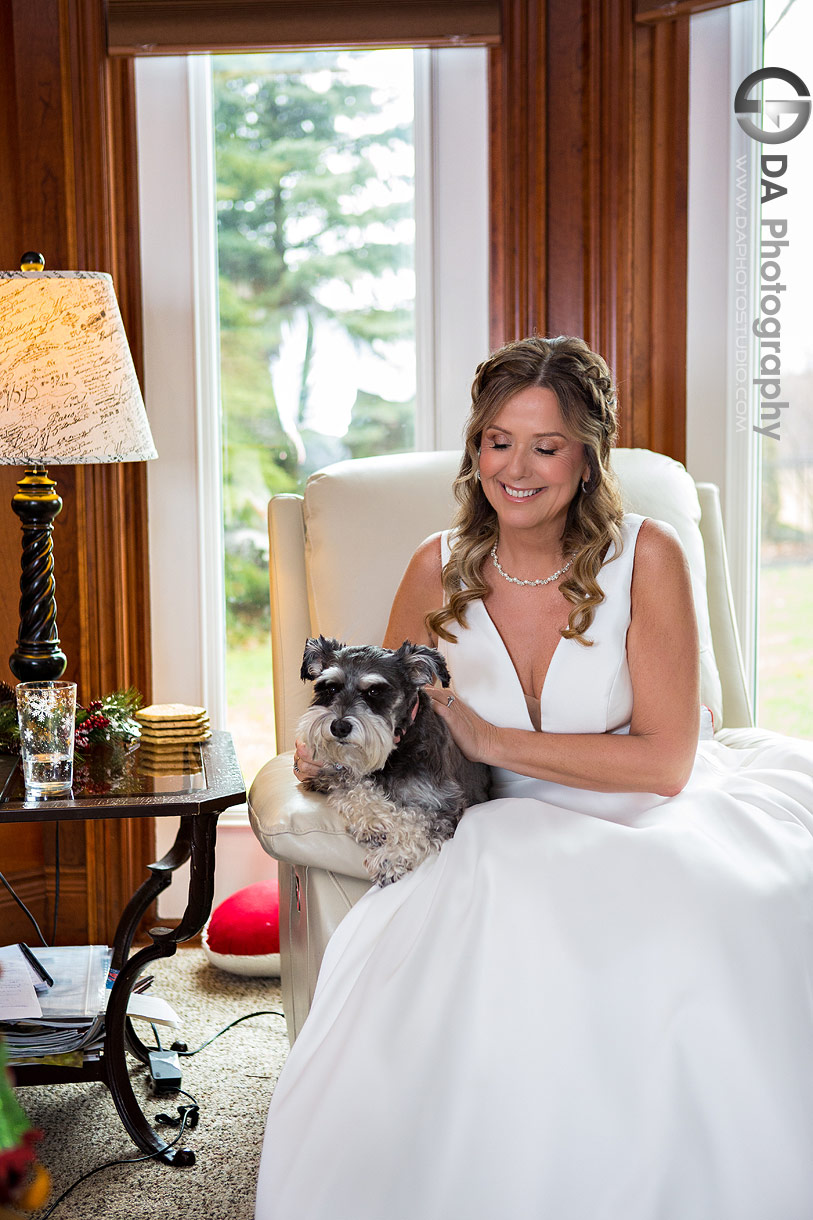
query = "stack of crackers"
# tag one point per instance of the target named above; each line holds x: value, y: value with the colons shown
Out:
x: 169, y: 734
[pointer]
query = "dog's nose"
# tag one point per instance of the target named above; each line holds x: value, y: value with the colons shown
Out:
x: 341, y: 728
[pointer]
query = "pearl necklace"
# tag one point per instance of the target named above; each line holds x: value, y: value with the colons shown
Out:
x: 514, y: 580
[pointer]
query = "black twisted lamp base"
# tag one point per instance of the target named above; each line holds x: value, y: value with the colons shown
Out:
x: 38, y: 656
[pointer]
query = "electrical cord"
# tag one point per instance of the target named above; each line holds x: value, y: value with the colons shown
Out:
x: 24, y: 909
x: 188, y: 1114
x: 188, y: 1118
x: 180, y: 1047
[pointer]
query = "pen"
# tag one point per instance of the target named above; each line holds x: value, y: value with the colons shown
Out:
x: 38, y: 966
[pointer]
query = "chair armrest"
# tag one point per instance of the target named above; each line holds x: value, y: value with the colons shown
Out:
x: 753, y: 737
x: 298, y: 826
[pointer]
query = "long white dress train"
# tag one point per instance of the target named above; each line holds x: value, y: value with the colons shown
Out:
x: 588, y: 1006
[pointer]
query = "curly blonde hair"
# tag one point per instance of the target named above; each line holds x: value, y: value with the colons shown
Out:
x: 584, y: 389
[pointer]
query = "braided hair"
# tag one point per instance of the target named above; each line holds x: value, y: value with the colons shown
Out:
x: 584, y: 389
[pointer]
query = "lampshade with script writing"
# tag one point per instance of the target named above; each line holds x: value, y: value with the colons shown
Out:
x: 68, y: 394
x: 68, y: 389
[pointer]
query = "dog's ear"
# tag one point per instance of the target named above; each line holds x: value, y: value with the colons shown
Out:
x: 318, y: 654
x: 423, y: 664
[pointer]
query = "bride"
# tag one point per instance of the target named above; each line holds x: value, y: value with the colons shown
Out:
x: 596, y: 1003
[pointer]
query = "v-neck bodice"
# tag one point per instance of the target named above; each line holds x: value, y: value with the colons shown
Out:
x: 587, y: 689
x: 530, y: 700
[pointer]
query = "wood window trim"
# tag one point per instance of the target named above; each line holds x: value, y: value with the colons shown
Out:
x: 173, y: 27
x: 650, y: 11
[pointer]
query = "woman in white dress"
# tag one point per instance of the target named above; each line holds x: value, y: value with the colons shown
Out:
x: 596, y: 1002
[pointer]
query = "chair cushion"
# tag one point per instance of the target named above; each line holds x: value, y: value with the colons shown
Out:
x: 363, y: 520
x: 298, y: 826
x: 659, y: 487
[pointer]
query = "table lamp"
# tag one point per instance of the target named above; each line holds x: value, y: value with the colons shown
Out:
x: 68, y: 395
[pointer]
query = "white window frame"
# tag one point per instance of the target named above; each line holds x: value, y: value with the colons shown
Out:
x: 182, y: 390
x: 451, y: 237
x: 722, y: 353
x: 179, y: 283
x: 181, y: 381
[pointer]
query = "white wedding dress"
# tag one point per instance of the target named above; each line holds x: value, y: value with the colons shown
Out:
x: 588, y: 1006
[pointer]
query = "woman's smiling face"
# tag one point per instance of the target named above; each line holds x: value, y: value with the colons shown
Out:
x: 530, y: 465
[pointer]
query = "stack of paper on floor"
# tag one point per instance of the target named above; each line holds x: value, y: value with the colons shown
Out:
x: 64, y: 1022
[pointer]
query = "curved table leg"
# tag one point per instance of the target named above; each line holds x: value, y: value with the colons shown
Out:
x: 195, y: 842
x: 159, y: 879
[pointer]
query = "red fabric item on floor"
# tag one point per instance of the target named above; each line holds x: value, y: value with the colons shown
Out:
x: 247, y: 923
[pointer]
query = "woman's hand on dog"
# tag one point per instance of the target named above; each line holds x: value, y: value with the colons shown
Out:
x: 305, y: 768
x: 473, y: 735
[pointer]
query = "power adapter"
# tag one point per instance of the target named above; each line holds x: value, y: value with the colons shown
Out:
x: 165, y: 1070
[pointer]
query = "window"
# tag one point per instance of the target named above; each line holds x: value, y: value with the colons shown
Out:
x: 766, y: 480
x: 315, y: 184
x: 784, y: 270
x: 182, y: 373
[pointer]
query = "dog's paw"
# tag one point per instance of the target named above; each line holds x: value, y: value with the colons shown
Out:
x: 382, y: 869
x: 324, y: 783
x: 368, y: 835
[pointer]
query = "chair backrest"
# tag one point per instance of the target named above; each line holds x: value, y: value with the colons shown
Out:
x: 337, y: 556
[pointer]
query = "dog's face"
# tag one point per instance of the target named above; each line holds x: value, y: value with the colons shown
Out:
x: 364, y: 699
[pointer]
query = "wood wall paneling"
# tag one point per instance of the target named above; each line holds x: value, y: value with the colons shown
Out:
x: 517, y: 163
x: 10, y: 177
x: 589, y: 152
x: 660, y: 209
x: 569, y: 92
x: 68, y: 129
x: 21, y: 847
x: 610, y: 137
x: 9, y: 227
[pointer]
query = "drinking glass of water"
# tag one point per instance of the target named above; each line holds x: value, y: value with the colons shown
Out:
x: 46, y: 712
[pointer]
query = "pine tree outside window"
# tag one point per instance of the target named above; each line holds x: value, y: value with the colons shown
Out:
x: 314, y: 162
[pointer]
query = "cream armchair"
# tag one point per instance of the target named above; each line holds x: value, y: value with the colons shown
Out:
x: 336, y: 558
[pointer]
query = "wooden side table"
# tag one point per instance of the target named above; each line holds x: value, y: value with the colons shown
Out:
x: 207, y: 782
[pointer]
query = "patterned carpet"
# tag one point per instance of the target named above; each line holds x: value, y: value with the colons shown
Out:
x: 232, y: 1080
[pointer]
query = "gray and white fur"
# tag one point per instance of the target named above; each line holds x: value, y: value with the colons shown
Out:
x: 391, y: 766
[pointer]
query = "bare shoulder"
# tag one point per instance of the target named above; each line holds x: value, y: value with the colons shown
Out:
x: 426, y: 563
x: 658, y: 553
x: 660, y: 573
x: 419, y: 593
x: 662, y: 644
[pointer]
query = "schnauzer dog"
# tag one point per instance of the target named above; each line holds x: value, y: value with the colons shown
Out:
x: 397, y: 777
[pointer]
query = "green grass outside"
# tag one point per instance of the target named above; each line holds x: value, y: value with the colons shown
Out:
x: 786, y: 649
x: 250, y: 703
